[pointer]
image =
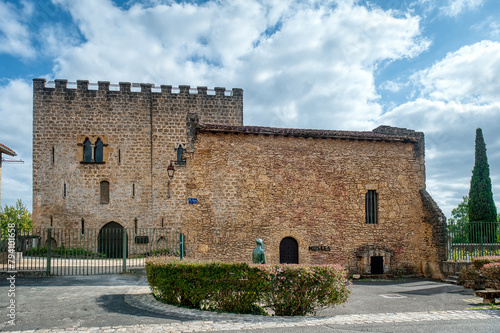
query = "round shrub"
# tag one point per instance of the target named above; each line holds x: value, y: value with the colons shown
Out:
x: 289, y: 290
x: 298, y: 290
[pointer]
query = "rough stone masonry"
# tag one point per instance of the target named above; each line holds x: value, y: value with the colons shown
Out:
x: 314, y: 196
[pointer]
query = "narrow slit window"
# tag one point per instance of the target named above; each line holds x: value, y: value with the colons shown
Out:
x: 135, y: 225
x: 119, y: 156
x: 53, y: 154
x: 87, y: 150
x: 371, y: 207
x: 83, y: 227
x: 64, y: 190
x: 98, y: 151
x: 133, y: 190
x: 104, y: 192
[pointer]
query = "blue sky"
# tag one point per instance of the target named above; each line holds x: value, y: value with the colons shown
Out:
x: 431, y: 66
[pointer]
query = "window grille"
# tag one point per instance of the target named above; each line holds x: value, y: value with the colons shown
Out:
x: 371, y: 207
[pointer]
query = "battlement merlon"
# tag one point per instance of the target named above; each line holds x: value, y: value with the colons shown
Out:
x: 126, y: 87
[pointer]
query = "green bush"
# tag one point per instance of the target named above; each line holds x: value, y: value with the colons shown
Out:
x: 491, y: 272
x: 468, y: 277
x: 481, y: 261
x: 241, y: 288
x: 488, y: 267
x: 297, y: 290
x: 230, y: 287
x: 75, y: 252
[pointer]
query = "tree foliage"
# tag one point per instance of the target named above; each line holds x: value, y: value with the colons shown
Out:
x: 481, y: 205
x: 17, y: 215
x: 457, y: 223
x: 460, y: 214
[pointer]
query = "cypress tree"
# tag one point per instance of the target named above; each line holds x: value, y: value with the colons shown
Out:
x: 481, y: 205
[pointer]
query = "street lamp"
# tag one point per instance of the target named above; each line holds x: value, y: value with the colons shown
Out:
x: 170, y: 173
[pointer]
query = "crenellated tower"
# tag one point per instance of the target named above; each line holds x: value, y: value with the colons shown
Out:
x: 101, y: 151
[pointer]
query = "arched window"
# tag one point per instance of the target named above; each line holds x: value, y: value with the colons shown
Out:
x: 104, y: 189
x: 98, y: 151
x: 87, y: 150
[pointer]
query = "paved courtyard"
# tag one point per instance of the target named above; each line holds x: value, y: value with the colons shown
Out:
x: 119, y: 303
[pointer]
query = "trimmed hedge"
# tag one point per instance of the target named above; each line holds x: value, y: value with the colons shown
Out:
x: 288, y: 290
x: 205, y: 285
x: 297, y: 290
x: 487, y: 268
x: 481, y: 261
x: 491, y: 272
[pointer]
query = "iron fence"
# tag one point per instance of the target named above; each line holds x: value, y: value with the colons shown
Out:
x: 54, y: 251
x: 473, y: 239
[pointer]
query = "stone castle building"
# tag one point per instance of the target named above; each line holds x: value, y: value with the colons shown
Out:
x: 314, y: 196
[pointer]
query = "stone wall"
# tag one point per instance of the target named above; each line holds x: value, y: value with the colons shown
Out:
x: 234, y: 183
x: 141, y: 131
x: 311, y: 186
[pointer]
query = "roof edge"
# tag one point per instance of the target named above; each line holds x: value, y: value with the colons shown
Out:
x: 379, y: 134
x: 6, y: 150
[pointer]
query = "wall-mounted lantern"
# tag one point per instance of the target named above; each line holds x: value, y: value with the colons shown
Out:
x: 170, y: 173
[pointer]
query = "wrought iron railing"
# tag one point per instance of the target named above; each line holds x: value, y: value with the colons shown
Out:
x: 54, y: 251
x: 473, y: 239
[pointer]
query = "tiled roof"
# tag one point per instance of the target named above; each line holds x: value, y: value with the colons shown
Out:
x: 382, y: 133
x: 6, y: 150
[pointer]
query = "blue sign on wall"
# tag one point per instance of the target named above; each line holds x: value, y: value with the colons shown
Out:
x: 193, y: 200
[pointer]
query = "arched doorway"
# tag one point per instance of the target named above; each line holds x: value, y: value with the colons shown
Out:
x: 289, y: 251
x: 110, y: 240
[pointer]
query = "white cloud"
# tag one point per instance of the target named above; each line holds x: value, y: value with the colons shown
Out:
x: 456, y: 7
x: 16, y: 102
x: 458, y: 94
x: 467, y: 75
x: 318, y: 57
x: 392, y: 86
x: 491, y: 25
x: 15, y: 37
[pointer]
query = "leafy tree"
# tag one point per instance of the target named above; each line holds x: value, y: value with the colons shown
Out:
x: 458, y: 222
x: 481, y: 205
x: 460, y: 215
x: 18, y: 215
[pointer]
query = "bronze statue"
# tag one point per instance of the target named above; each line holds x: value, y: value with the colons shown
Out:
x: 258, y: 255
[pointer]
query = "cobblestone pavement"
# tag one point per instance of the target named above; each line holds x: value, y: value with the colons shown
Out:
x: 208, y: 321
x: 258, y: 322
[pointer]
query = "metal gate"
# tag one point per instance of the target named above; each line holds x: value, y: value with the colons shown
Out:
x: 86, y: 251
x: 112, y: 240
x: 289, y: 251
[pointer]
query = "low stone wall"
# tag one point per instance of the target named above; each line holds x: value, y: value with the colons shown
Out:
x: 449, y: 268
